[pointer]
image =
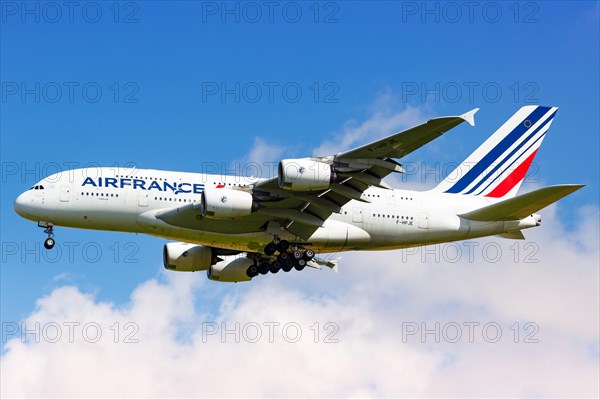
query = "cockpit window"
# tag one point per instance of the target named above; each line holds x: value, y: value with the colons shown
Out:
x: 37, y: 187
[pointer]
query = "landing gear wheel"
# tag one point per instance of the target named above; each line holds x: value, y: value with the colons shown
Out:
x: 283, y: 257
x: 309, y: 254
x: 263, y: 268
x: 301, y: 263
x: 299, y: 267
x: 252, y: 271
x: 270, y: 249
x: 49, y: 243
x: 275, y: 267
x: 297, y: 254
x: 283, y: 245
x: 286, y: 267
x: 290, y: 264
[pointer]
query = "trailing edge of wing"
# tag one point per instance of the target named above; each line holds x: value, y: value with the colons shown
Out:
x: 521, y: 206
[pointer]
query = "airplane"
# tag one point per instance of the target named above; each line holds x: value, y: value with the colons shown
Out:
x: 236, y: 227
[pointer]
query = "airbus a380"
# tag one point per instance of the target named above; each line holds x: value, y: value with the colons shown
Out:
x: 237, y: 228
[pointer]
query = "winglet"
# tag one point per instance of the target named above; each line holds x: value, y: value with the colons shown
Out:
x: 470, y: 116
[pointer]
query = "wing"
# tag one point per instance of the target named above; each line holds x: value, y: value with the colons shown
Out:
x: 355, y: 171
x: 403, y: 143
x: 302, y: 212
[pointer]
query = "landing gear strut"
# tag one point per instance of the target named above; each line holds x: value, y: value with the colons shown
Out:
x: 49, y: 242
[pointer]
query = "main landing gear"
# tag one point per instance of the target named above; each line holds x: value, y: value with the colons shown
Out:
x: 49, y: 230
x: 289, y: 257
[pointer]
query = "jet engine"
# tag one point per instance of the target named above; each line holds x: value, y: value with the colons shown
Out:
x: 304, y: 175
x: 221, y: 203
x: 178, y: 256
x: 230, y: 271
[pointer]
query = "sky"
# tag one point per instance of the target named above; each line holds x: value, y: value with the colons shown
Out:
x: 214, y: 86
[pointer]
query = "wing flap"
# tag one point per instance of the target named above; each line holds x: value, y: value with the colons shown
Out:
x: 521, y: 206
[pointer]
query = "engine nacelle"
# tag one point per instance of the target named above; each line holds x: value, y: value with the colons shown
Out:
x: 230, y: 271
x: 221, y: 203
x: 304, y: 174
x: 178, y: 256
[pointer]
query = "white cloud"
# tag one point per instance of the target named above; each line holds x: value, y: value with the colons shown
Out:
x: 262, y: 151
x: 387, y: 117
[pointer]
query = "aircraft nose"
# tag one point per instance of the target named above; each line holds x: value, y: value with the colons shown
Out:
x: 19, y: 204
x: 23, y: 206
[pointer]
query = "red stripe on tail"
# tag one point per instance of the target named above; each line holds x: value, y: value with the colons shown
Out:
x: 515, y: 177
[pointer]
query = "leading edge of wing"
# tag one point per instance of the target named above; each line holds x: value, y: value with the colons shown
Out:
x: 407, y: 141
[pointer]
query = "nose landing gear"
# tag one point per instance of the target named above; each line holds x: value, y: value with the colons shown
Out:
x: 49, y: 230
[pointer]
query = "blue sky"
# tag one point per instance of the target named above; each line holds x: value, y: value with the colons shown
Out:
x: 178, y: 89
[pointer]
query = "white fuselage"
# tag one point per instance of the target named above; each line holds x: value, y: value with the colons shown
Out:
x: 128, y: 202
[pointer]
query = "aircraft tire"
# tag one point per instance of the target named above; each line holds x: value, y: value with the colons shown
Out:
x: 49, y: 243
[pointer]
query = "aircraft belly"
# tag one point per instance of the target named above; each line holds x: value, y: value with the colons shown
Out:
x: 445, y: 227
x: 337, y: 235
x: 98, y: 217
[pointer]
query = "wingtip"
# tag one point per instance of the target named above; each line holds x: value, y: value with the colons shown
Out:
x: 469, y: 116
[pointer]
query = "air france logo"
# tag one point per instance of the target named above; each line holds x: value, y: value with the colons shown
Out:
x: 144, y: 184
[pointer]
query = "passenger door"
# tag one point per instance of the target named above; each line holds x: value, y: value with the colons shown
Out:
x: 143, y: 198
x: 65, y: 193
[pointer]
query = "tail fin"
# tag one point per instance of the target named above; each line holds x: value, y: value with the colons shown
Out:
x: 497, y: 168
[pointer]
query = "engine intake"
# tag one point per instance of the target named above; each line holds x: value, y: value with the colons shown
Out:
x: 304, y: 175
x: 221, y: 203
x: 178, y: 256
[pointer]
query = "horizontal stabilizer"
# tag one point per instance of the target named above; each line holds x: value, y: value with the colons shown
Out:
x: 521, y: 206
x: 515, y: 235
